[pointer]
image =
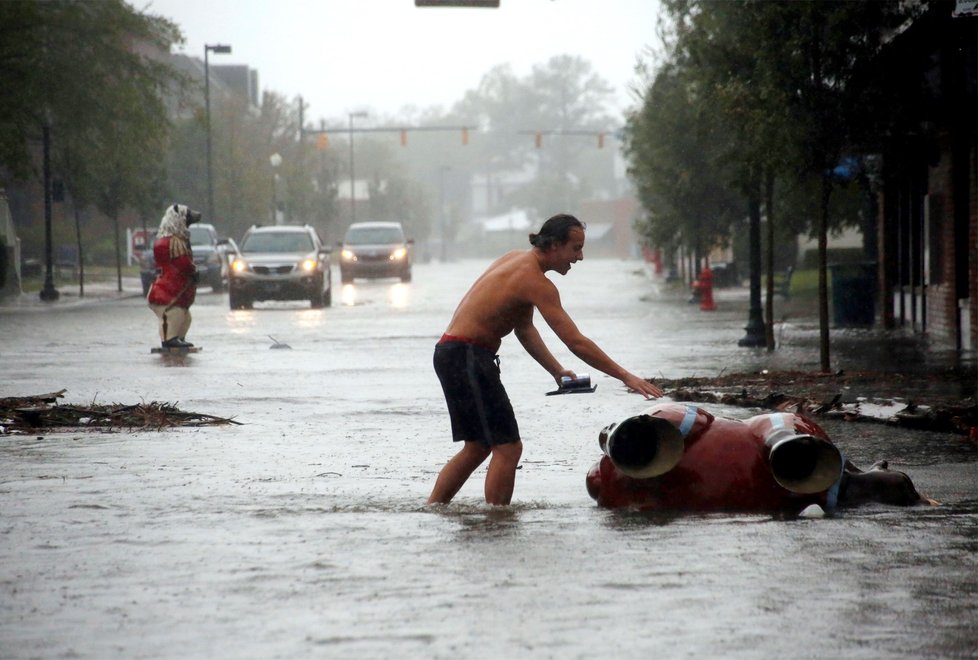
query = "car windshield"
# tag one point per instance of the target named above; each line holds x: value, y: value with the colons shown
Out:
x: 278, y: 242
x: 200, y: 236
x: 374, y: 236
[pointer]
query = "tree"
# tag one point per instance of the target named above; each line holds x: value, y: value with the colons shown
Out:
x: 786, y: 81
x: 564, y: 100
x: 65, y: 61
x: 93, y: 74
x: 728, y: 48
x: 674, y: 147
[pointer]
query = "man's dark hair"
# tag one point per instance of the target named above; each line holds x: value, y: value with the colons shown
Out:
x: 555, y: 231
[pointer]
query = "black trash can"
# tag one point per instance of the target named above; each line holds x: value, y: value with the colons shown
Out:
x: 853, y: 294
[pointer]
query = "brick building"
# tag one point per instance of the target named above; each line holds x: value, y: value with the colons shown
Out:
x: 928, y: 212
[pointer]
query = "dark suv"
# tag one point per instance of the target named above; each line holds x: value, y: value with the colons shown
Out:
x: 210, y: 257
x: 281, y: 262
x: 375, y: 249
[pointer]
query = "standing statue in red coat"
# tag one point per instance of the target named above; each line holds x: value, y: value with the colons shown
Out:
x: 173, y: 291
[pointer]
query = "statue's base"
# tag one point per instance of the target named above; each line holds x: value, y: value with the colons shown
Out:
x: 175, y: 350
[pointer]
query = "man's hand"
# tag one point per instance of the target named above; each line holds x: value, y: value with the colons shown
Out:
x: 642, y: 386
x: 562, y: 373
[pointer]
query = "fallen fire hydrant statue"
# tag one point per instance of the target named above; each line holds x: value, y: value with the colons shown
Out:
x: 676, y: 457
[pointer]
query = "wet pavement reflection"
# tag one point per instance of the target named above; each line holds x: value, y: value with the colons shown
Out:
x: 303, y: 532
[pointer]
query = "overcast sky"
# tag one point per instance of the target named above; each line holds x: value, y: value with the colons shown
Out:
x: 381, y: 55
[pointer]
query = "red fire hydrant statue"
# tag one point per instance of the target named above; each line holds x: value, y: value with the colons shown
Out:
x: 703, y: 286
x: 680, y: 457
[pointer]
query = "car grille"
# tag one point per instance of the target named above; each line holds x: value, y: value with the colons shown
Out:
x: 374, y: 256
x: 272, y: 270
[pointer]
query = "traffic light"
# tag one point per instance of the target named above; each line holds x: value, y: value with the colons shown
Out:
x: 601, y: 140
x: 403, y: 138
x: 322, y: 142
x: 538, y: 139
x: 465, y: 136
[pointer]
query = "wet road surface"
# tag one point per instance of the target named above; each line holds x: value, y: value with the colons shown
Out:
x: 303, y: 532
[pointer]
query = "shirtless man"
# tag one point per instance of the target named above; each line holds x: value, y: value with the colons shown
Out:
x: 501, y: 301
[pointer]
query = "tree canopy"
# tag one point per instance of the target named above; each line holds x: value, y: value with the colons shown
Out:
x: 757, y: 93
x: 86, y: 70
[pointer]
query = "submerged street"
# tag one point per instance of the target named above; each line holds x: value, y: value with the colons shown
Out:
x: 302, y: 532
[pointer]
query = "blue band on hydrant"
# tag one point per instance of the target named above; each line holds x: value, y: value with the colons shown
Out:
x: 688, y: 420
x: 777, y: 421
x: 832, y: 496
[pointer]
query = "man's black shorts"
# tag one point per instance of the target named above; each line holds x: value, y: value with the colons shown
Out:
x: 477, y: 402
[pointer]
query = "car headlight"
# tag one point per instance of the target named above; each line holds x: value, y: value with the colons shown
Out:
x: 398, y: 254
x: 348, y: 255
x: 307, y: 265
x: 239, y: 265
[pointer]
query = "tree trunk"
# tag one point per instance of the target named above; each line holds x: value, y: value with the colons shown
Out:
x: 769, y: 266
x: 81, y: 254
x: 823, y: 289
x: 118, y: 250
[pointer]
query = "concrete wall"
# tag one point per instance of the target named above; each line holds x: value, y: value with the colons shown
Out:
x: 10, y: 257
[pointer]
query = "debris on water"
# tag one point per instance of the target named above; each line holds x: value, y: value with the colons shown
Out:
x: 26, y: 414
x: 936, y: 402
x: 277, y: 343
x: 812, y: 511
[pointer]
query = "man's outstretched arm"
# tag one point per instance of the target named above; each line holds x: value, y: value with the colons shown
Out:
x: 584, y: 348
x: 533, y: 343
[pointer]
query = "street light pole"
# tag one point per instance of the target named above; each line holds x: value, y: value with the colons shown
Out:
x: 756, y: 334
x: 49, y: 293
x: 275, y: 160
x: 353, y: 178
x: 217, y: 48
x: 441, y: 211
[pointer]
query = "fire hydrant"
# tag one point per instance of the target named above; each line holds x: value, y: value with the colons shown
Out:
x: 704, y: 285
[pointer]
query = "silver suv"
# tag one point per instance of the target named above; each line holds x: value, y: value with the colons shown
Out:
x: 282, y: 262
x: 375, y: 249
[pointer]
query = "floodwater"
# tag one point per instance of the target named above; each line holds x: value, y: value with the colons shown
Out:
x: 303, y: 532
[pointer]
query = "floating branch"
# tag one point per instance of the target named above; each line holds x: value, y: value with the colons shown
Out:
x: 30, y: 413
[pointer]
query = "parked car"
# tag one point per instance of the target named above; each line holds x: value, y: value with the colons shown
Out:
x: 375, y: 249
x: 147, y: 263
x: 282, y: 262
x: 211, y: 256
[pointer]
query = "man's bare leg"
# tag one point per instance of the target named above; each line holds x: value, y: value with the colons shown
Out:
x: 457, y: 471
x: 501, y: 476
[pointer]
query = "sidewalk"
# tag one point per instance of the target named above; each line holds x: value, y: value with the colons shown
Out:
x: 869, y: 361
x: 100, y: 291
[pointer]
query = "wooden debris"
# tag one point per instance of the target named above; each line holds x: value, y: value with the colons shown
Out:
x: 858, y: 396
x: 28, y: 414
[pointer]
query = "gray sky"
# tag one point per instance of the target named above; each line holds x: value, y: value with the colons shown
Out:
x: 382, y: 55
